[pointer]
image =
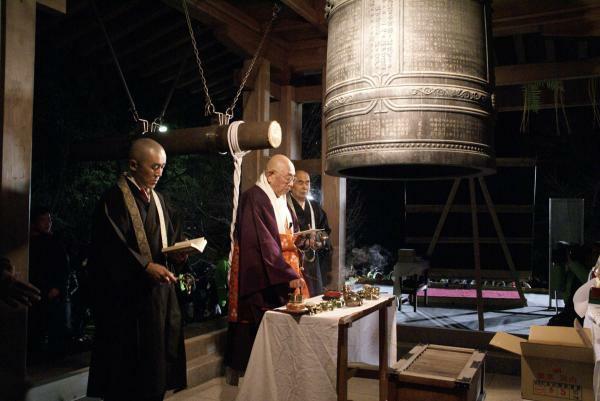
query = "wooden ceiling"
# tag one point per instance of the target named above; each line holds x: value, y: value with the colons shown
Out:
x: 533, y: 40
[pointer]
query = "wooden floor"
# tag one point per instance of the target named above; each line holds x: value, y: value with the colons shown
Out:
x: 498, y: 387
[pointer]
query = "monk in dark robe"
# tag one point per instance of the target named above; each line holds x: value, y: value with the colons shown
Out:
x: 310, y: 215
x: 265, y: 263
x: 139, y: 351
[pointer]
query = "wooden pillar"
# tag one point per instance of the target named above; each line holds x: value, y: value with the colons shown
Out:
x: 256, y: 108
x: 289, y: 115
x: 17, y: 71
x: 334, y: 204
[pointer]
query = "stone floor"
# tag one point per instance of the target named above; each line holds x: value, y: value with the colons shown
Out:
x: 498, y: 387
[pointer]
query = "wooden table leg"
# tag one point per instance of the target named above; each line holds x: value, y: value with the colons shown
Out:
x: 383, y: 354
x: 342, y: 363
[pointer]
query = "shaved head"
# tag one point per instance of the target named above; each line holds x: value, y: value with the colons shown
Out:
x: 302, y: 174
x: 147, y: 160
x: 280, y: 163
x: 280, y: 173
x: 140, y: 148
x: 301, y: 187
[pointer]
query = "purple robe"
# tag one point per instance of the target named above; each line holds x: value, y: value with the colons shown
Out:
x: 263, y: 277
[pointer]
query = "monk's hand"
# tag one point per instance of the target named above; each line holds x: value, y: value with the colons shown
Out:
x: 302, y: 242
x: 298, y: 283
x: 16, y: 293
x: 159, y: 273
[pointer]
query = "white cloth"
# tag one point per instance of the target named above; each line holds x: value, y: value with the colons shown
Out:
x: 582, y: 296
x: 297, y: 360
x: 279, y: 203
x: 592, y: 321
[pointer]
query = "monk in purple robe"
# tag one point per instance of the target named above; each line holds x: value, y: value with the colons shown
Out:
x: 262, y: 272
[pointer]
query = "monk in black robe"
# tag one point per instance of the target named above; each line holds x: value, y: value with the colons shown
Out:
x: 262, y: 270
x: 139, y: 349
x: 316, y: 257
x: 49, y: 271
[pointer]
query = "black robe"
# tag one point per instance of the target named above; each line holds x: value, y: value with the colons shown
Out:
x: 315, y: 272
x: 139, y: 346
x: 48, y: 268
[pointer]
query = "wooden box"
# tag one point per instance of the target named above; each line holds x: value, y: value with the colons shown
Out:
x: 438, y: 373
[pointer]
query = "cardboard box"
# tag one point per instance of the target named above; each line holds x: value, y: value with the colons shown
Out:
x: 557, y: 363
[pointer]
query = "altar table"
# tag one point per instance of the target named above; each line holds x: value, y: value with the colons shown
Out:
x: 305, y: 358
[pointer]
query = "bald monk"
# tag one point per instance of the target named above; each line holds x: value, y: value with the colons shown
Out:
x: 138, y: 352
x: 310, y: 215
x: 265, y: 265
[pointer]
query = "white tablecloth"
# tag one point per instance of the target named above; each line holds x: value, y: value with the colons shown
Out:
x: 296, y: 360
x: 592, y: 321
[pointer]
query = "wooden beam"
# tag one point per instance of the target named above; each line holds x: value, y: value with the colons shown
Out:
x: 56, y: 5
x: 309, y: 94
x: 172, y: 62
x: 307, y: 60
x: 125, y: 32
x: 577, y: 28
x: 501, y: 238
x: 150, y: 40
x: 235, y: 28
x: 242, y: 33
x: 308, y: 44
x: 212, y: 79
x: 476, y: 253
x: 86, y: 25
x: 216, y: 89
x: 567, y: 70
x: 289, y: 26
x: 275, y: 91
x: 223, y: 94
x: 74, y: 12
x: 223, y: 11
x: 181, y: 45
x: 516, y: 209
x: 515, y: 162
x: 306, y: 9
x: 444, y: 215
x: 516, y: 16
x: 469, y: 240
x: 311, y: 166
x: 289, y: 115
x: 17, y: 66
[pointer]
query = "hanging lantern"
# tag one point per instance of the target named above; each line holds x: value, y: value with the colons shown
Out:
x: 408, y: 89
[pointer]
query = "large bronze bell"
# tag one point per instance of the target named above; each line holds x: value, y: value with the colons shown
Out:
x: 408, y: 89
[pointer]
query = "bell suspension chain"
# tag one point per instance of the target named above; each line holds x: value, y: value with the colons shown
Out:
x: 209, y: 107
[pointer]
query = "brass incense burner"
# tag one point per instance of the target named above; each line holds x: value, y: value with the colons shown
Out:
x: 296, y: 302
x: 369, y: 292
x: 351, y: 298
x: 314, y: 308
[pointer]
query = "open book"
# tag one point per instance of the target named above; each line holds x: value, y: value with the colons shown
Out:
x: 189, y: 246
